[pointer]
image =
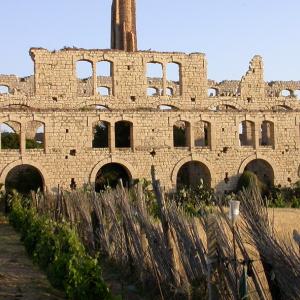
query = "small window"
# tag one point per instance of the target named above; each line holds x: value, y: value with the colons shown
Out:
x: 84, y: 69
x: 169, y: 91
x: 104, y: 69
x: 212, y: 92
x: 154, y: 70
x: 103, y: 91
x: 152, y: 92
x: 4, y: 89
x: 286, y: 93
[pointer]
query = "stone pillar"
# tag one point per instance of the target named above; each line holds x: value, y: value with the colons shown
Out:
x: 95, y: 79
x: 257, y: 130
x: 164, y: 67
x: 112, y: 138
x: 23, y: 139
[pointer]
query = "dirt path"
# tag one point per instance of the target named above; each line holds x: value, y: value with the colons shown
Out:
x: 19, y: 277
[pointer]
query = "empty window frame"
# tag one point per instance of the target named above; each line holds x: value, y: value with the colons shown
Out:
x: 10, y: 135
x: 123, y: 134
x: 173, y: 77
x: 35, y: 135
x: 104, y: 73
x: 212, y: 92
x: 247, y: 133
x: 181, y: 134
x: 286, y: 93
x: 267, y: 134
x: 103, y: 91
x: 84, y: 73
x: 152, y: 91
x: 202, y: 134
x: 101, y: 135
x: 4, y: 89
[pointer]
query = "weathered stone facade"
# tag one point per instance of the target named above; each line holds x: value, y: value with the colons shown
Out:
x: 228, y: 124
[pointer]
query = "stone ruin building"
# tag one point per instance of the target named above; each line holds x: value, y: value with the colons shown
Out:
x: 120, y: 116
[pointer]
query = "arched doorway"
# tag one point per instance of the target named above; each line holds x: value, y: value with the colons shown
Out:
x: 191, y: 174
x: 109, y: 176
x: 263, y: 170
x: 24, y: 179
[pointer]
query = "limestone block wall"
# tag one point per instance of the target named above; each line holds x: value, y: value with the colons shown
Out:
x: 69, y: 108
x: 66, y: 131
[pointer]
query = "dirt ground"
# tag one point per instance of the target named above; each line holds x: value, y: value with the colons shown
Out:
x: 19, y: 277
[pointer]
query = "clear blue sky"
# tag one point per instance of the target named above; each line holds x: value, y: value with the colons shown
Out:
x: 230, y: 32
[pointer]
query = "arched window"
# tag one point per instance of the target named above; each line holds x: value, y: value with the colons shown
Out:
x: 181, y: 134
x: 10, y: 135
x: 4, y: 89
x: 154, y: 75
x: 286, y: 93
x: 152, y: 91
x: 267, y: 134
x: 202, y: 134
x: 84, y: 71
x: 101, y: 132
x: 103, y: 91
x: 173, y: 73
x: 212, y: 92
x: 297, y: 94
x: 247, y: 133
x: 124, y: 134
x: 35, y: 135
x: 169, y: 91
x: 104, y: 73
x: 154, y: 70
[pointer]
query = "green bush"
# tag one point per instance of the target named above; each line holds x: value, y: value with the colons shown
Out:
x: 58, y: 250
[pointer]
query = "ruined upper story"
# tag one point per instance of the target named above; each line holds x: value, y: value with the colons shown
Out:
x: 124, y: 78
x: 120, y: 80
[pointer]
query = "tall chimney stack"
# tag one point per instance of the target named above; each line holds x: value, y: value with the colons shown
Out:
x: 123, y: 25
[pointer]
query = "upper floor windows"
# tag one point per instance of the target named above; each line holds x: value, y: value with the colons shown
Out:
x: 94, y: 78
x: 165, y: 78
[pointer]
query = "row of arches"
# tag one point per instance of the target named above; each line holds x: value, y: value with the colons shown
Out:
x: 11, y: 135
x: 25, y: 178
x: 247, y: 136
x: 288, y: 93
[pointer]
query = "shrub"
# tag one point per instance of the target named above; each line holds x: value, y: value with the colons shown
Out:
x: 58, y: 250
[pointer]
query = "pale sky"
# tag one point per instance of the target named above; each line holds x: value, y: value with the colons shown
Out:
x: 230, y: 32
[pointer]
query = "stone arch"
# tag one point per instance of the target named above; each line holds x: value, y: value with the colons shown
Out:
x: 130, y: 169
x: 16, y: 163
x: 253, y: 157
x: 234, y: 104
x: 195, y: 158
